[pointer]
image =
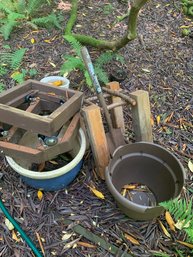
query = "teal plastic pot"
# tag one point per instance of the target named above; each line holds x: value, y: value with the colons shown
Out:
x: 145, y: 164
x: 55, y: 179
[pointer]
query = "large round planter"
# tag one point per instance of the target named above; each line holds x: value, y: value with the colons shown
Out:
x: 147, y: 164
x: 51, y: 79
x: 55, y: 179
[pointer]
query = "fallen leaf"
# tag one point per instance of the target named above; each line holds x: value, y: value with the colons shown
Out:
x: 40, y: 195
x: 9, y: 224
x: 86, y: 244
x: 32, y: 40
x: 57, y: 83
x: 65, y: 6
x: 190, y: 165
x: 132, y: 239
x: 152, y: 121
x: 181, y: 225
x: 15, y: 73
x: 66, y: 236
x: 130, y: 187
x: 97, y: 193
x: 41, y: 166
x: 53, y: 162
x: 164, y: 229
x: 169, y: 220
x: 186, y: 244
x: 158, y: 119
x: 15, y: 237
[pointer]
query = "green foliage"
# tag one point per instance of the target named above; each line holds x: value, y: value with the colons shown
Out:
x: 18, y: 12
x: 187, y: 6
x: 2, y: 87
x: 75, y: 62
x: 11, y: 61
x: 20, y: 77
x: 182, y: 211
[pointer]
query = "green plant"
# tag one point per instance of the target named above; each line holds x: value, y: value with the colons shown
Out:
x: 20, y: 77
x: 107, y: 9
x: 11, y: 61
x: 15, y: 13
x: 2, y: 87
x: 182, y: 212
x: 187, y: 6
x: 75, y: 62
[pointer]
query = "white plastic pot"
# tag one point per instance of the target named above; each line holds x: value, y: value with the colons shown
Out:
x: 51, y: 79
x: 55, y: 179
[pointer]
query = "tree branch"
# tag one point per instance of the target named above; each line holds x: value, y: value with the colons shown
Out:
x: 131, y: 32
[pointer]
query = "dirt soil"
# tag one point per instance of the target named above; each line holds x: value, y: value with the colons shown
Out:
x: 160, y: 61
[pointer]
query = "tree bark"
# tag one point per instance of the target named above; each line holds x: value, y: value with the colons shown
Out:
x: 114, y: 45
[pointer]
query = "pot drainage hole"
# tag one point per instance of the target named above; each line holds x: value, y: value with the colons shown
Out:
x: 139, y: 194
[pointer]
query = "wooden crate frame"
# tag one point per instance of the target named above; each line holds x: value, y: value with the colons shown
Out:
x: 11, y: 99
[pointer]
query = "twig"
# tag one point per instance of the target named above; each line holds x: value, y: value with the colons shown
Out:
x: 128, y: 99
x: 40, y: 243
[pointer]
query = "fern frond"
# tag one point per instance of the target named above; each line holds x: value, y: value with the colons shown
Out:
x: 2, y: 87
x: 75, y: 44
x: 4, y: 8
x: 47, y: 21
x: 33, y: 6
x: 7, y: 28
x: 88, y: 79
x: 3, y: 70
x: 101, y: 74
x: 189, y: 232
x: 71, y: 63
x: 20, y: 6
x: 180, y: 209
x: 17, y: 57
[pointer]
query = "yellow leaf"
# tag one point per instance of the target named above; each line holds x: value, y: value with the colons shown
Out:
x: 40, y: 195
x: 169, y: 220
x: 131, y: 186
x: 190, y: 165
x: 14, y: 236
x: 9, y: 224
x: 164, y: 229
x: 15, y: 73
x: 47, y: 41
x: 86, y: 244
x: 57, y: 83
x: 97, y: 193
x: 158, y: 119
x: 186, y: 244
x: 32, y: 40
x: 132, y: 239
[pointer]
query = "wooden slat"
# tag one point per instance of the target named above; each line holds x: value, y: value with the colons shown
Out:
x: 17, y: 101
x: 97, y: 138
x: 25, y: 120
x: 14, y: 92
x: 141, y: 116
x: 66, y: 111
x: 117, y: 112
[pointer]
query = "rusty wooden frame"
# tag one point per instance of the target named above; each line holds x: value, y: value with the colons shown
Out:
x: 11, y: 99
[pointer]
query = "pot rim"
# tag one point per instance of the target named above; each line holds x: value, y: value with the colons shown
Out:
x: 49, y: 79
x: 54, y: 173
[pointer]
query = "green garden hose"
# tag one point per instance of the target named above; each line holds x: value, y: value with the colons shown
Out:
x: 20, y: 230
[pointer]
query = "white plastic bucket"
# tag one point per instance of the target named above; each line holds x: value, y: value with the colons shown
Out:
x: 51, y: 79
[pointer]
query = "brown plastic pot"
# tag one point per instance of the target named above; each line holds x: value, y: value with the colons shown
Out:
x: 148, y: 164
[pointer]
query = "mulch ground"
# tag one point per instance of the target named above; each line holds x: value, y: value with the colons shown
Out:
x: 160, y: 61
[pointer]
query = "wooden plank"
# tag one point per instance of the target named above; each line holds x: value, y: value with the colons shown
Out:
x: 17, y: 101
x: 66, y: 111
x: 141, y: 116
x: 98, y: 141
x: 25, y: 120
x: 117, y: 112
x: 14, y: 92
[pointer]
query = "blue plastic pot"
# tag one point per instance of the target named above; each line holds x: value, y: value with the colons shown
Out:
x: 55, y: 179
